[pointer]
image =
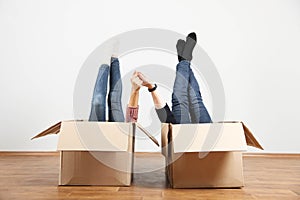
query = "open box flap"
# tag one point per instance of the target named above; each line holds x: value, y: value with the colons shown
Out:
x: 55, y: 129
x: 250, y: 139
x: 147, y: 133
x: 207, y: 137
x: 95, y: 136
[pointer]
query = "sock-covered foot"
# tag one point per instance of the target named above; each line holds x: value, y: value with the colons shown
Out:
x: 180, y: 46
x: 190, y: 43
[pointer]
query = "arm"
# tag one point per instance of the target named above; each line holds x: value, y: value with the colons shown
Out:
x: 132, y: 107
x: 157, y: 100
x: 163, y: 111
x: 165, y: 115
x: 134, y: 97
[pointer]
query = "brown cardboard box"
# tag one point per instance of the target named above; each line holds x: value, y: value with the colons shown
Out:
x: 206, y: 155
x: 95, y: 153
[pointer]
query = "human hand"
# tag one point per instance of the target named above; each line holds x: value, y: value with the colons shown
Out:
x: 145, y: 81
x: 136, y: 82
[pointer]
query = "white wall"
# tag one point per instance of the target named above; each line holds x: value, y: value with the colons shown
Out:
x: 254, y: 44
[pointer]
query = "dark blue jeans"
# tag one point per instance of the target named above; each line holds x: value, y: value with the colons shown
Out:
x: 115, y: 111
x: 187, y: 103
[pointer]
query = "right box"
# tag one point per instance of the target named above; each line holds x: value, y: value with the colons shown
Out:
x: 206, y: 155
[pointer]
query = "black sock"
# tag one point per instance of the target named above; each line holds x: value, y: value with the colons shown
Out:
x: 190, y: 43
x: 180, y: 46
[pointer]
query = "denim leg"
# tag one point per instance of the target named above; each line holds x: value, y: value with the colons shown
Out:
x: 99, y: 96
x: 115, y: 111
x: 198, y: 111
x: 180, y: 102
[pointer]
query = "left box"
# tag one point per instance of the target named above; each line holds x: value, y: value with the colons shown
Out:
x: 94, y: 153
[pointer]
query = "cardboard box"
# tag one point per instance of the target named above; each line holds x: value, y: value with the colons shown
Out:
x: 95, y: 153
x: 206, y: 155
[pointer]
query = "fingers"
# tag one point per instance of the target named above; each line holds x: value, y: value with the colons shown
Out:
x: 136, y: 82
x: 141, y: 76
x: 140, y: 79
x: 135, y: 73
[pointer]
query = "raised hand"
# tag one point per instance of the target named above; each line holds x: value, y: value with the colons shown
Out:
x: 136, y: 82
x: 145, y: 81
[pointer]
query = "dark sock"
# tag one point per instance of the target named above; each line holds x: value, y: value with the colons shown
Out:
x: 180, y: 46
x: 190, y: 43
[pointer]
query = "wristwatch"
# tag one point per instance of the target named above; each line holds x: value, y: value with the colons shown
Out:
x: 152, y: 89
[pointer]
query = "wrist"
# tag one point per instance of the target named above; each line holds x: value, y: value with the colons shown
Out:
x: 153, y: 88
x: 135, y: 90
x: 150, y: 86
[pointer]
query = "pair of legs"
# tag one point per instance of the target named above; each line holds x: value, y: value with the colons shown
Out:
x: 187, y: 103
x: 98, y: 110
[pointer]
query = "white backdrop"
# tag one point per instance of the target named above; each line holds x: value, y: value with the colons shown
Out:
x: 254, y: 44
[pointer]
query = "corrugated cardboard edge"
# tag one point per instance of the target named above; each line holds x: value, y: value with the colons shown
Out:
x: 132, y: 132
x: 52, y: 130
x: 170, y: 158
x: 250, y: 139
x: 147, y: 133
x: 60, y: 167
x: 164, y: 138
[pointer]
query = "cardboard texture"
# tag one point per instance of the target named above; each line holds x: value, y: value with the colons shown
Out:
x: 95, y: 153
x: 206, y: 155
x: 95, y: 168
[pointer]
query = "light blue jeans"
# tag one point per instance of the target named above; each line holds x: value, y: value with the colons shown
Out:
x: 187, y: 103
x: 115, y: 111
